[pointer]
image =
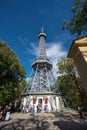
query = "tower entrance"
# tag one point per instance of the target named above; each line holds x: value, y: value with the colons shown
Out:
x: 40, y: 101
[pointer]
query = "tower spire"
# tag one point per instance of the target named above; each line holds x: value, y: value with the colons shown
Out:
x: 42, y: 33
x: 42, y: 49
x: 42, y: 30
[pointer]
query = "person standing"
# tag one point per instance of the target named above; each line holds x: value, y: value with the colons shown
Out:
x: 5, y: 112
x: 1, y: 112
x: 80, y: 112
x: 37, y: 109
x: 33, y: 110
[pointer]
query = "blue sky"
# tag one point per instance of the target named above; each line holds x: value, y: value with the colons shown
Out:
x: 21, y: 21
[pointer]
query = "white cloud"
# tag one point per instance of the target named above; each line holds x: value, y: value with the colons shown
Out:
x: 31, y: 49
x: 54, y: 52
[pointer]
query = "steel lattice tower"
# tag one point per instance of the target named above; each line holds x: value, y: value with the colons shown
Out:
x: 42, y: 89
x: 41, y: 79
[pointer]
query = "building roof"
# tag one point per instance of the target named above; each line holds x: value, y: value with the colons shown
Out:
x: 82, y: 41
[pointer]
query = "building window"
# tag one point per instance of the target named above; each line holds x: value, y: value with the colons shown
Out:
x: 34, y: 101
x: 46, y: 101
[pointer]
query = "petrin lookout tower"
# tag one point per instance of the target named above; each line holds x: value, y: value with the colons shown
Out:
x: 42, y: 90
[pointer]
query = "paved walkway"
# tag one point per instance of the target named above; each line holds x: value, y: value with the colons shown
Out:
x: 44, y: 121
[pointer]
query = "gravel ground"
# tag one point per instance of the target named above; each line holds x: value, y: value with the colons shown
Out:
x: 44, y: 121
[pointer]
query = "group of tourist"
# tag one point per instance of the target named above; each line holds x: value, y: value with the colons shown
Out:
x: 5, y: 113
x: 6, y: 110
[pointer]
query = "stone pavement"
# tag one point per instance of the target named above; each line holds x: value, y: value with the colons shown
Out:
x: 44, y: 121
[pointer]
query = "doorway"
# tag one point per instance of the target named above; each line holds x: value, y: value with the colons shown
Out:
x: 40, y: 104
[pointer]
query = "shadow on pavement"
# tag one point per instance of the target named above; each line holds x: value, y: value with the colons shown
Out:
x: 70, y: 125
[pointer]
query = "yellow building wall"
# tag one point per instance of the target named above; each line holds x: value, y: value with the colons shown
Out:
x: 78, y: 52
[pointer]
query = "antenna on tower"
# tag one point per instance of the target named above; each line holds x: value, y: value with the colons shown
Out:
x: 42, y: 30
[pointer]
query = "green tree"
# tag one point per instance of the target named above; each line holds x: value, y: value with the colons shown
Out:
x: 11, y: 73
x: 20, y: 88
x: 77, y: 24
x: 70, y: 84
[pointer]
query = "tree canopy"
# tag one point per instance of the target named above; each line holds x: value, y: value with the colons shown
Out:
x: 77, y: 24
x: 70, y: 84
x: 11, y: 73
